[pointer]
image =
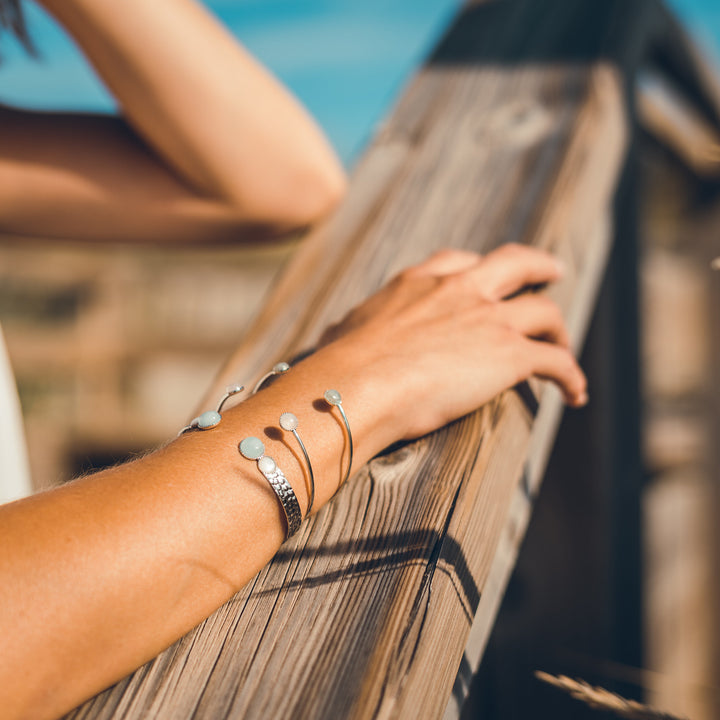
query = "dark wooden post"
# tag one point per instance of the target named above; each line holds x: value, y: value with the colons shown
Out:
x: 574, y: 603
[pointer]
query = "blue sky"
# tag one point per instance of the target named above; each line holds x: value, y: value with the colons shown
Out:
x: 702, y: 17
x: 345, y: 59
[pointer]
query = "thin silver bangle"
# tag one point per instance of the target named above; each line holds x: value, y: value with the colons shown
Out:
x: 333, y: 397
x: 212, y: 418
x: 289, y: 422
x: 230, y: 390
x: 278, y: 369
x: 252, y: 448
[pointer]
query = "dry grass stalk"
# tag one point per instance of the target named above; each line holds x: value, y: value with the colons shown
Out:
x: 601, y: 699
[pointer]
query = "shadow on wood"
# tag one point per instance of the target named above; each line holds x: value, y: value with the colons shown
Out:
x: 515, y: 131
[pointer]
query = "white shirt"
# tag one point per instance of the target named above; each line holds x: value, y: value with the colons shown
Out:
x: 14, y: 468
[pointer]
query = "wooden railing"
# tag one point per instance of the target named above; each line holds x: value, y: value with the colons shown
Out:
x: 516, y: 130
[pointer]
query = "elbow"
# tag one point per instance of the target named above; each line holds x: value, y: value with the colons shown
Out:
x: 311, y: 194
x: 330, y: 187
x: 297, y: 198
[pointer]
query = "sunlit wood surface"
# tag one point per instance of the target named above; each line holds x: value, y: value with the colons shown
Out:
x: 509, y: 133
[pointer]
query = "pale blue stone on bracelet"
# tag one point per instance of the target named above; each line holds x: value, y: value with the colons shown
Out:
x: 252, y: 448
x: 211, y: 418
x: 208, y: 420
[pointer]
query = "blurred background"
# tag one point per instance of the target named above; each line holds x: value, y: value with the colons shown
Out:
x: 113, y: 346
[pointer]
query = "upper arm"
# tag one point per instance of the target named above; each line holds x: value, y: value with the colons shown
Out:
x: 90, y: 177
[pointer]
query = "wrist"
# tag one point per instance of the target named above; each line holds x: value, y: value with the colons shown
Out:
x: 374, y: 391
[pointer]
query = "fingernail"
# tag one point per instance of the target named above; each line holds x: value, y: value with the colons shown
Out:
x: 560, y: 266
x: 583, y: 400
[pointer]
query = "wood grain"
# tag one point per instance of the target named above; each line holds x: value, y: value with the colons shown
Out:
x: 368, y: 610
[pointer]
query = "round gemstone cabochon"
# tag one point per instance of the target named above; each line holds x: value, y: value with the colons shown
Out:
x: 252, y: 448
x: 208, y: 419
x: 333, y: 397
x: 288, y: 421
x: 266, y: 464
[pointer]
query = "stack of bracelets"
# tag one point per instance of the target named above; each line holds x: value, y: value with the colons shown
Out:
x: 253, y: 448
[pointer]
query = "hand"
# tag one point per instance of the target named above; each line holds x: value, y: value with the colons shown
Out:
x: 447, y: 335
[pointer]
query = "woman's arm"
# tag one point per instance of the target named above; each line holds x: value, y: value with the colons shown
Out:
x: 100, y: 575
x: 213, y: 138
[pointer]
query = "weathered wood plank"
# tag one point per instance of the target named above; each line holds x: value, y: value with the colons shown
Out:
x: 366, y: 613
x: 521, y: 504
x: 676, y: 123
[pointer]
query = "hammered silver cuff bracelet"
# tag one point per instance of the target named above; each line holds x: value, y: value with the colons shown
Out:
x: 253, y: 448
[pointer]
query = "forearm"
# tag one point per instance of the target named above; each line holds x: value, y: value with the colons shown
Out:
x: 100, y: 575
x: 107, y: 571
x: 207, y: 107
x: 89, y: 177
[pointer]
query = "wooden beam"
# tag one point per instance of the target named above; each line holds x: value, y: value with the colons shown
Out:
x: 514, y: 131
x: 670, y: 117
x: 679, y: 92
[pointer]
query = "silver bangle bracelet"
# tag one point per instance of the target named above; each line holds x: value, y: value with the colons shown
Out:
x: 278, y: 369
x: 212, y: 418
x: 252, y: 448
x: 289, y: 422
x: 333, y: 398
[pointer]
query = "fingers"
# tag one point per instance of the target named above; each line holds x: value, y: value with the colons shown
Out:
x: 497, y: 275
x: 557, y: 364
x: 535, y: 316
x: 447, y: 262
x: 510, y: 268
